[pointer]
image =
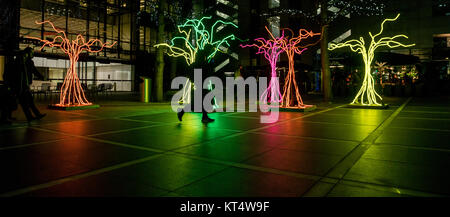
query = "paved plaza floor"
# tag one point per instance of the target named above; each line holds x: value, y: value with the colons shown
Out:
x: 135, y: 149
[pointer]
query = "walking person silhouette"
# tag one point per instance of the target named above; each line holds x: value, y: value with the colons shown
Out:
x: 25, y: 71
x: 204, y: 63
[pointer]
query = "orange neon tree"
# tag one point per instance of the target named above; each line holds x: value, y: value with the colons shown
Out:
x: 72, y: 94
x: 292, y: 45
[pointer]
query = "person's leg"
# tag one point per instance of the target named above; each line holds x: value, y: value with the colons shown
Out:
x: 4, y: 114
x: 12, y: 104
x: 7, y: 109
x: 9, y: 114
x: 180, y: 113
x: 33, y: 107
x: 205, y: 118
x: 189, y: 106
x: 25, y: 107
x: 3, y: 106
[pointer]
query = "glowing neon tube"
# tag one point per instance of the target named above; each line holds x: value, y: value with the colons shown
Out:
x: 72, y: 94
x: 367, y: 94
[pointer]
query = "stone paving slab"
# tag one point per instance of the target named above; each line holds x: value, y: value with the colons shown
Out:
x: 135, y: 149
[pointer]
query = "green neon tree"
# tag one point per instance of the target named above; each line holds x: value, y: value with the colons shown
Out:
x: 194, y: 36
x: 367, y: 95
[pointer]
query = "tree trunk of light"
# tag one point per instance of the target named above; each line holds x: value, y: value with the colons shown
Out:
x: 326, y: 74
x: 272, y: 94
x: 291, y: 94
x: 367, y: 94
x: 173, y: 68
x: 72, y: 94
x: 159, y: 75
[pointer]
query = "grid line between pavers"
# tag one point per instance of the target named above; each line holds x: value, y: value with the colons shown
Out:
x: 161, y: 152
x: 343, y: 167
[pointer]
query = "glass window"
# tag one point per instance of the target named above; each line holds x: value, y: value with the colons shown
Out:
x: 274, y: 3
x: 274, y: 25
x: 441, y: 8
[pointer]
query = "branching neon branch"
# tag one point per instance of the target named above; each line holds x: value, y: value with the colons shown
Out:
x: 194, y: 35
x: 367, y: 94
x: 72, y: 94
x: 291, y: 45
x: 271, y: 49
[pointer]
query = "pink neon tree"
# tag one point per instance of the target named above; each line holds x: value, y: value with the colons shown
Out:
x: 271, y: 49
x: 292, y: 45
x: 72, y: 94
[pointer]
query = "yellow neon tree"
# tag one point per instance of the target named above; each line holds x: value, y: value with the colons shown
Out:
x: 186, y: 50
x: 367, y: 94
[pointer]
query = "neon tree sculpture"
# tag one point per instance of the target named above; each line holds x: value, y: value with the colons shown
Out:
x: 187, y: 46
x: 194, y: 36
x: 72, y: 94
x: 291, y: 45
x: 271, y: 49
x: 368, y: 86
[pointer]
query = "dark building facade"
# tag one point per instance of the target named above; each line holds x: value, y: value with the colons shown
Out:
x: 133, y: 25
x: 426, y: 23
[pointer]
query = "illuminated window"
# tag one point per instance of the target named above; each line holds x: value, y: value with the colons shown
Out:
x: 274, y: 3
x: 274, y: 26
x: 441, y: 8
x: 448, y: 68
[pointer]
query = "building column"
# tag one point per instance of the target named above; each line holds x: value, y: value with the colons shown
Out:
x: 2, y: 67
x: 134, y: 44
x: 9, y: 31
